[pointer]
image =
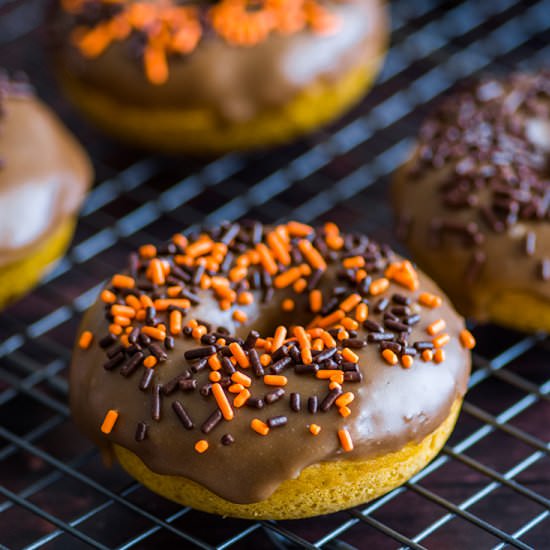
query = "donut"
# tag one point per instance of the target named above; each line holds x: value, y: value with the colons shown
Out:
x: 473, y: 200
x: 208, y: 77
x: 270, y: 372
x: 44, y: 174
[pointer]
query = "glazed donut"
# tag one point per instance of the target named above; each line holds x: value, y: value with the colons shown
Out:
x: 44, y: 174
x: 475, y: 195
x: 275, y: 373
x: 215, y: 76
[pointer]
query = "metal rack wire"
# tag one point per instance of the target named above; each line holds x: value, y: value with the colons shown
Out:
x: 489, y: 487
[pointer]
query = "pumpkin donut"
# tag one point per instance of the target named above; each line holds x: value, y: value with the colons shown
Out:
x: 273, y: 373
x: 208, y: 77
x: 44, y: 175
x: 473, y: 200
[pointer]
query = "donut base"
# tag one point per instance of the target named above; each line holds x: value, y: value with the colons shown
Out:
x: 319, y: 489
x: 18, y: 277
x: 199, y: 132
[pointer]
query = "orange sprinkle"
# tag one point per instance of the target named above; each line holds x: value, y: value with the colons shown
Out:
x: 150, y: 361
x: 266, y: 259
x: 407, y: 361
x: 240, y: 378
x: 350, y: 356
x: 275, y: 380
x: 278, y: 248
x: 176, y: 319
x: 331, y: 229
x: 349, y: 323
x: 245, y: 298
x: 354, y: 263
x: 122, y: 321
x: 315, y: 300
x: 318, y: 345
x: 315, y: 429
x: 123, y: 281
x: 164, y: 303
x: 312, y: 255
x: 337, y: 377
x: 148, y: 251
x: 154, y: 333
x: 199, y: 332
x: 115, y: 329
x: 146, y: 301
x: 334, y: 242
x: 350, y: 302
x: 390, y: 357
x: 214, y: 362
x: 342, y: 334
x: 360, y: 275
x: 328, y: 339
x: 85, y: 340
x: 123, y: 311
x: 334, y: 386
x: 199, y: 248
x: 278, y: 338
x: 301, y: 336
x: 362, y: 313
x: 201, y: 446
x: 325, y: 374
x: 345, y: 440
x: 241, y: 399
x: 235, y: 388
x: 109, y: 421
x: 287, y: 278
x: 180, y: 240
x: 214, y: 376
x: 467, y: 339
x: 237, y: 274
x: 239, y: 355
x: 173, y: 291
x: 436, y: 326
x: 331, y: 319
x: 259, y: 427
x: 108, y: 297
x: 430, y: 300
x: 441, y: 340
x: 427, y: 355
x: 344, y: 411
x: 265, y: 359
x: 192, y: 323
x: 288, y: 305
x: 299, y: 286
x: 345, y: 399
x: 439, y: 355
x: 297, y: 229
x: 156, y: 272
x: 124, y: 341
x: 240, y: 316
x: 133, y: 302
x: 379, y: 286
x: 222, y: 401
x: 156, y: 65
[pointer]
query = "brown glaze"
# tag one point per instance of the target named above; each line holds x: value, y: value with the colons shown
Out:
x: 393, y: 406
x: 236, y: 83
x: 43, y: 178
x: 512, y: 162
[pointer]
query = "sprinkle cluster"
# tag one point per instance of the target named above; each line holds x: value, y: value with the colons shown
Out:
x: 152, y: 305
x: 500, y: 167
x: 160, y: 29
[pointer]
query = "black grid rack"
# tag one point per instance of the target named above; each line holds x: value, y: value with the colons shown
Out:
x: 490, y: 486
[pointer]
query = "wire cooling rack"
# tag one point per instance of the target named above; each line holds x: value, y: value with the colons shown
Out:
x: 489, y: 487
